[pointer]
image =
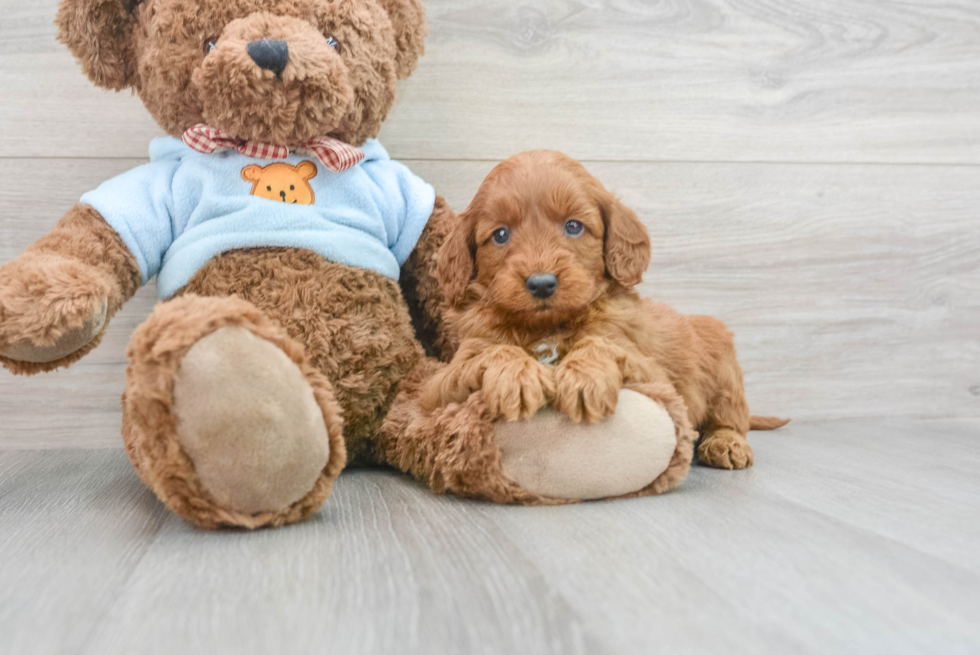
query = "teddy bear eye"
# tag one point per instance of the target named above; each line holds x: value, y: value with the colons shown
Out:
x: 210, y: 44
x: 292, y: 187
x: 500, y: 236
x: 332, y: 42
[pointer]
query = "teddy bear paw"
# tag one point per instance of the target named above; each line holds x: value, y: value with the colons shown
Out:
x: 50, y: 307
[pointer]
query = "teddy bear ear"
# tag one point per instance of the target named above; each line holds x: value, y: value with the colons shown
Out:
x: 306, y: 170
x: 100, y: 33
x: 252, y: 173
x: 408, y: 19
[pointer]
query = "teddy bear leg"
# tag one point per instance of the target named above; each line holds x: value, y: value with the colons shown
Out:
x: 225, y: 419
x: 645, y: 448
x: 452, y: 449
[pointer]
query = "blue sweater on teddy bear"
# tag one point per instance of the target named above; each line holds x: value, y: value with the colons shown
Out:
x: 185, y: 207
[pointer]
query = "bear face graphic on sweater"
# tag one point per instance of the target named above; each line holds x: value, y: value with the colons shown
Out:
x: 282, y: 182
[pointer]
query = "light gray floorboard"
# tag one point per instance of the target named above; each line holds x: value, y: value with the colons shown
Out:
x: 73, y: 527
x: 824, y: 546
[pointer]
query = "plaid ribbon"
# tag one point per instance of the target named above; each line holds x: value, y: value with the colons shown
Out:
x: 336, y: 155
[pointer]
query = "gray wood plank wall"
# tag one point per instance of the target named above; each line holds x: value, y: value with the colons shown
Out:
x: 809, y: 172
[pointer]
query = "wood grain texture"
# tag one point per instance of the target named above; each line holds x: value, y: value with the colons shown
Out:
x: 679, y: 80
x: 809, y: 172
x: 852, y: 291
x: 72, y: 529
x: 831, y: 543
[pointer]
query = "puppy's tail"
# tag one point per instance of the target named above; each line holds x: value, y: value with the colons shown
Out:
x: 766, y: 422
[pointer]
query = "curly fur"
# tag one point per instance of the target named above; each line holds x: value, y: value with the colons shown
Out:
x: 59, y: 281
x: 453, y: 449
x: 604, y: 333
x: 348, y: 330
x: 344, y: 93
x: 352, y: 323
x: 421, y: 286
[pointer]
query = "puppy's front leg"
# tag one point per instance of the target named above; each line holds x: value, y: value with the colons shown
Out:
x: 514, y: 384
x: 589, y: 379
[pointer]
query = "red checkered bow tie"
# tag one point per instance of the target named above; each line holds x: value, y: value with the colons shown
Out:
x: 336, y: 155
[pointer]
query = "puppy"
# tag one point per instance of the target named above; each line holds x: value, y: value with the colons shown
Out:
x: 540, y: 273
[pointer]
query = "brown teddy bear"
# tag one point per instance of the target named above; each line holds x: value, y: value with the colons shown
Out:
x: 282, y: 237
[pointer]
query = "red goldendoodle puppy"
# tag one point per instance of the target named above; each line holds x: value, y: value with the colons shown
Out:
x: 540, y: 271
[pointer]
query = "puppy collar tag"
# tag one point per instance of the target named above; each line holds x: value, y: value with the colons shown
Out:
x: 546, y: 353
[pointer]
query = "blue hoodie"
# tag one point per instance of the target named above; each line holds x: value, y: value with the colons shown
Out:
x: 184, y: 207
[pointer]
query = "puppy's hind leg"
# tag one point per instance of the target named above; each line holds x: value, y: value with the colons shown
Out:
x: 723, y: 444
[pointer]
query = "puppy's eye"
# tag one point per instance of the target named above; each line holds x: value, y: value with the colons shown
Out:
x: 500, y: 236
x: 332, y: 42
x: 210, y: 44
x: 574, y: 228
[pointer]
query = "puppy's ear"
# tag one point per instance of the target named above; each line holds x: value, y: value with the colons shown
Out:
x: 408, y: 19
x: 456, y: 262
x: 100, y: 33
x: 627, y: 246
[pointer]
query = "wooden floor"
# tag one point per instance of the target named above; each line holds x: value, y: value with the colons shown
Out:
x: 809, y: 171
x: 853, y: 536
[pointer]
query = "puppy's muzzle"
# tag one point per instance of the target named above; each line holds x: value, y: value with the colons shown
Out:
x: 542, y: 285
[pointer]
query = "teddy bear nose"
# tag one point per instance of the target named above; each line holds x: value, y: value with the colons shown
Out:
x: 269, y: 54
x: 542, y: 285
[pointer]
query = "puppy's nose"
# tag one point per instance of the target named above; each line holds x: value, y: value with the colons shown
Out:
x: 542, y: 285
x: 269, y: 54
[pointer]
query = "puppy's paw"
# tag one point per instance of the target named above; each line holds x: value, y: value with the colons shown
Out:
x: 587, y: 390
x: 517, y: 387
x: 726, y: 449
x: 445, y: 387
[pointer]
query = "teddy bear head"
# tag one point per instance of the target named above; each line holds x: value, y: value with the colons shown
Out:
x: 272, y: 71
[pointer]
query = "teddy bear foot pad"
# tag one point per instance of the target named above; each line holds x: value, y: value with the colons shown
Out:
x: 552, y: 456
x: 225, y: 418
x: 238, y: 398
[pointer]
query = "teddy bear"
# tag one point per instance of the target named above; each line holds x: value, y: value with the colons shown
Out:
x: 296, y: 264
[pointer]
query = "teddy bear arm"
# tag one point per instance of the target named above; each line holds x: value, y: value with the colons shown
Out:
x: 57, y: 297
x: 421, y: 288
